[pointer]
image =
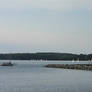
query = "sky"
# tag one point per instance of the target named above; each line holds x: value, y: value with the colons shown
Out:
x: 46, y: 26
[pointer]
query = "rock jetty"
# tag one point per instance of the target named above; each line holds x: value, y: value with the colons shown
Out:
x: 71, y: 66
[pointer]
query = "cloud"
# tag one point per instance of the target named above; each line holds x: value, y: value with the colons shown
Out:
x: 11, y: 40
x: 38, y: 38
x: 28, y: 38
x: 40, y: 25
x: 47, y: 4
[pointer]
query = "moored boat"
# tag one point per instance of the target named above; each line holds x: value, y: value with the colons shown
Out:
x: 7, y: 64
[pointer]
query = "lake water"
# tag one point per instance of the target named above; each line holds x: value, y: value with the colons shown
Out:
x: 32, y: 76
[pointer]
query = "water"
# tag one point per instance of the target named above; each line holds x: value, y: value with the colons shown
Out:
x: 32, y: 76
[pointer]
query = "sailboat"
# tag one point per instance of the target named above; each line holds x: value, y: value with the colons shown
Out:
x: 78, y: 60
x: 73, y: 61
x: 90, y: 61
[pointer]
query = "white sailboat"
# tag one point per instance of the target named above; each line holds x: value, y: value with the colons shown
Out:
x: 78, y: 60
x: 90, y: 61
x: 73, y: 61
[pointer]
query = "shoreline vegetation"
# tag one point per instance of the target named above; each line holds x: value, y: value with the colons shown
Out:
x: 46, y: 56
x: 71, y: 66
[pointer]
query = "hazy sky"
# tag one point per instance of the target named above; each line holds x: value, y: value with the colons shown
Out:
x: 46, y: 25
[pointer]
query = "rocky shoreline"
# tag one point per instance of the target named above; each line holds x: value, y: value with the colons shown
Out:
x: 71, y: 66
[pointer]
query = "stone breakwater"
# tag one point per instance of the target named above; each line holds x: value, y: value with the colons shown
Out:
x: 71, y: 66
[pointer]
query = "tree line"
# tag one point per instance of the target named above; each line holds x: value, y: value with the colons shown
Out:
x: 45, y: 56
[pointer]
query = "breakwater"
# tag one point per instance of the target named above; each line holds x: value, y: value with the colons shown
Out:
x: 71, y: 66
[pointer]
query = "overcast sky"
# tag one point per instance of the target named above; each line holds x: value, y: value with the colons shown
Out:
x: 46, y: 25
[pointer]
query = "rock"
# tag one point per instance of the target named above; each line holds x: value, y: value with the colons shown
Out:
x: 71, y: 66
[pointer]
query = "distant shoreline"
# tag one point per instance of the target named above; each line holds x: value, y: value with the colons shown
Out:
x: 46, y: 56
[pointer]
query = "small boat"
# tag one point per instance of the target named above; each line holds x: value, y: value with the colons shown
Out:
x: 7, y: 64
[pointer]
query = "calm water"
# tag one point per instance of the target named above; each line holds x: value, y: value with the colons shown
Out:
x: 31, y: 76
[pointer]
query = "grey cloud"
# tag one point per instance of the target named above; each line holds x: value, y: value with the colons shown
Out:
x: 48, y: 4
